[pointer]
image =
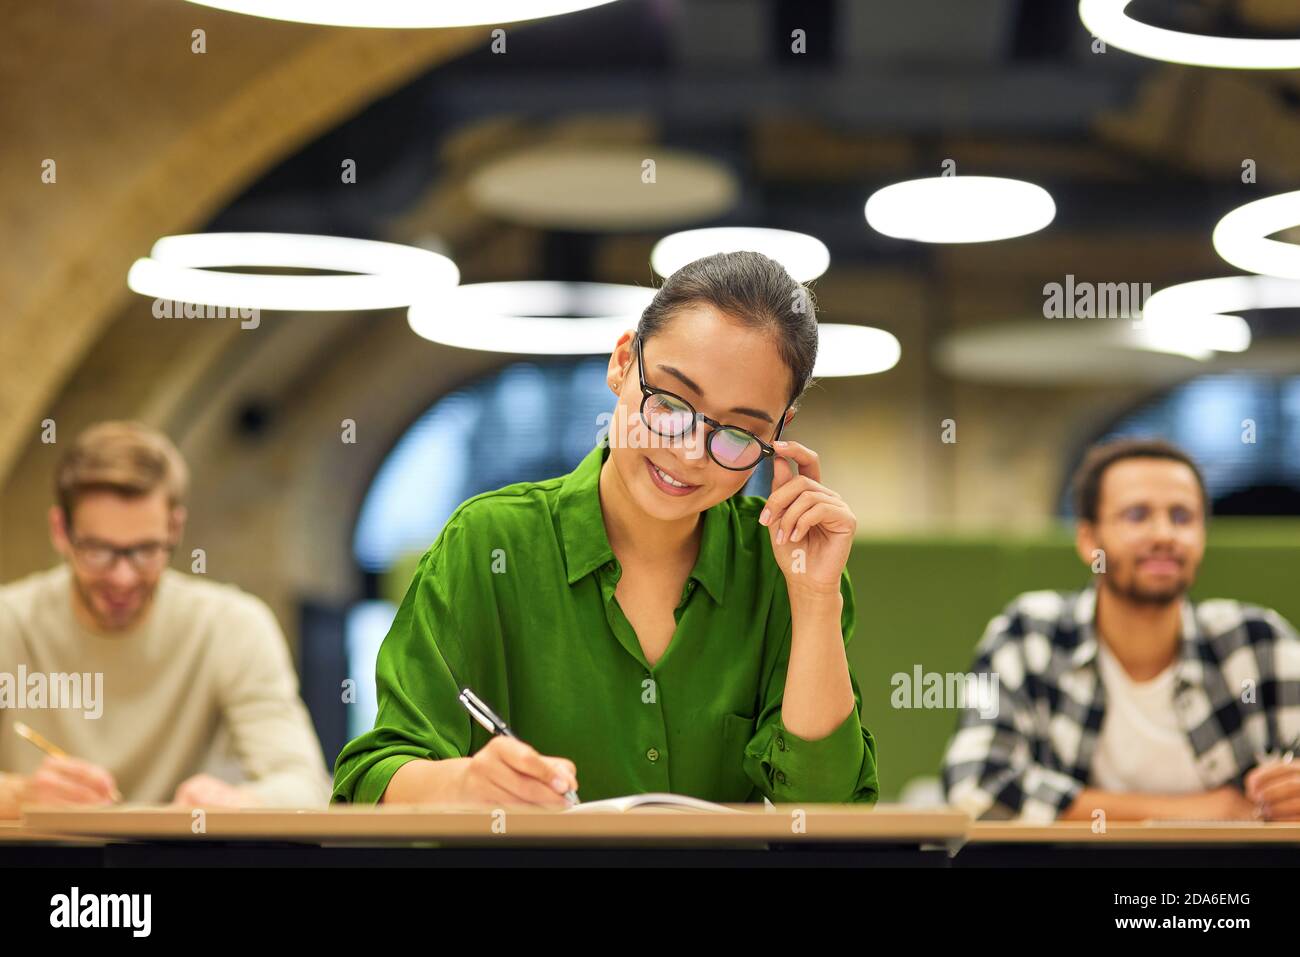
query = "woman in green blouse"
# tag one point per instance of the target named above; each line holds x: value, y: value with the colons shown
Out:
x: 638, y: 624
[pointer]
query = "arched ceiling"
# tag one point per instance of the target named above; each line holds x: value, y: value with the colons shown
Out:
x: 149, y: 138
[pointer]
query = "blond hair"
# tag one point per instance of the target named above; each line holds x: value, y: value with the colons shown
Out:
x: 128, y: 458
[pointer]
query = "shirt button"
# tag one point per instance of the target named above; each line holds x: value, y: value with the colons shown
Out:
x: 780, y: 743
x: 652, y: 755
x: 780, y: 776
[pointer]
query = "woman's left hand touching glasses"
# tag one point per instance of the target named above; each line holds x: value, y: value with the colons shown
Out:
x: 810, y: 526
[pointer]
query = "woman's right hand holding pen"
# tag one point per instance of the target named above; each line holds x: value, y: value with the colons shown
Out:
x: 504, y: 771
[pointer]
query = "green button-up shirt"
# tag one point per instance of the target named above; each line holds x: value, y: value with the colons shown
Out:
x: 515, y: 599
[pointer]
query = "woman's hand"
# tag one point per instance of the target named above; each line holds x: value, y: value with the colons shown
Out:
x: 507, y: 771
x: 810, y: 526
x: 504, y: 771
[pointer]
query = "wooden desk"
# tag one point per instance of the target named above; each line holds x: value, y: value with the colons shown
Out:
x: 17, y: 832
x: 782, y: 835
x: 1134, y: 832
x: 830, y: 835
x: 21, y: 845
x: 1131, y: 843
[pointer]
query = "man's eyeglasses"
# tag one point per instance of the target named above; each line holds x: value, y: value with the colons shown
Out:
x: 98, y: 556
x: 672, y: 417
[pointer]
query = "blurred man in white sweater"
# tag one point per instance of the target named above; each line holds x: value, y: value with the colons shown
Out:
x: 138, y: 671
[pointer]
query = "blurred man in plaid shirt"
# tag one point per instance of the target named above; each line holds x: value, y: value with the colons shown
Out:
x: 1126, y: 699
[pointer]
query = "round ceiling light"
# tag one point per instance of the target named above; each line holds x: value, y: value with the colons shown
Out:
x: 399, y: 14
x: 1203, y: 312
x: 603, y: 188
x: 844, y: 350
x: 804, y: 257
x: 1241, y: 237
x: 960, y: 209
x: 531, y: 317
x: 1056, y: 352
x: 586, y: 318
x: 1195, y: 336
x: 183, y: 268
x: 1108, y: 20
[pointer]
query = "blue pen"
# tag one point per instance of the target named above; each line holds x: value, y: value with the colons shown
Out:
x: 485, y: 716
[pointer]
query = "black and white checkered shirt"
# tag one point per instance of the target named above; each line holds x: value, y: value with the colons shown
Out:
x: 1236, y: 692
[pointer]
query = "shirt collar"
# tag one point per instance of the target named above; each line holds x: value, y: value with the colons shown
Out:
x: 586, y: 543
x: 1085, y: 611
x: 1085, y: 617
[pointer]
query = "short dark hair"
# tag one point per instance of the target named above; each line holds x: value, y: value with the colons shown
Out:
x: 754, y: 290
x: 1086, y: 483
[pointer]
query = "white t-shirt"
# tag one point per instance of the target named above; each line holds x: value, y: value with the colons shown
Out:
x: 1142, y: 747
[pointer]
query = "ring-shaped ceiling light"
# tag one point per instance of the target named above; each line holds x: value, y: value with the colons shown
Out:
x: 844, y: 350
x: 391, y: 275
x: 1057, y: 352
x: 960, y: 209
x: 576, y: 318
x: 531, y: 317
x: 401, y: 13
x: 1194, y: 335
x: 1203, y: 313
x: 804, y: 257
x: 1241, y: 237
x: 595, y: 187
x: 1108, y: 20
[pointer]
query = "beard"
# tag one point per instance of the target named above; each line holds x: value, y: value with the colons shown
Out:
x: 87, y: 599
x: 1128, y: 589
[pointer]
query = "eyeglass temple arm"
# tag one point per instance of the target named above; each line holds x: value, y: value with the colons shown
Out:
x: 780, y: 425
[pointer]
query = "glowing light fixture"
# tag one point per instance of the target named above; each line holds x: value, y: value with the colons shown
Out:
x: 960, y: 209
x: 182, y: 268
x: 577, y: 318
x: 1200, y: 314
x: 401, y: 13
x: 1109, y: 20
x: 844, y: 350
x: 804, y: 257
x: 1241, y: 237
x: 1195, y: 336
x: 531, y: 317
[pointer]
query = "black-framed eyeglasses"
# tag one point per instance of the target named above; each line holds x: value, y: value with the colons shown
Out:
x: 100, y: 556
x: 669, y: 415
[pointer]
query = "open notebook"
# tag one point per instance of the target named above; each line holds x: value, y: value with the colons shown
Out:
x: 657, y: 801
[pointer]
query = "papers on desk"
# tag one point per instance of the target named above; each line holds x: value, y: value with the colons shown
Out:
x: 1152, y: 822
x: 656, y: 801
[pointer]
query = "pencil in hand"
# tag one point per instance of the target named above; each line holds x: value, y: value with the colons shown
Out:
x: 52, y: 749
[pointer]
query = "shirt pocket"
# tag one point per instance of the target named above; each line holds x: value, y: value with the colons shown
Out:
x: 734, y: 785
